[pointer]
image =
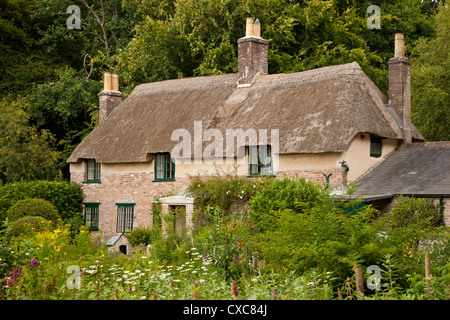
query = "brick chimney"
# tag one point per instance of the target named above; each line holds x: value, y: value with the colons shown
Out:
x: 400, y: 87
x: 110, y: 97
x: 252, y: 54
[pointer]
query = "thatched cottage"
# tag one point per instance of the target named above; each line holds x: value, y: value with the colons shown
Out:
x: 329, y: 125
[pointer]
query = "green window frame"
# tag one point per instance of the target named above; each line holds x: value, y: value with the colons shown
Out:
x: 260, y: 160
x: 164, y: 167
x: 125, y: 215
x: 92, y: 171
x: 91, y: 215
x: 375, y: 147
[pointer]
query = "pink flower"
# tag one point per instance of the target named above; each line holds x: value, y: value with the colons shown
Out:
x: 34, y: 263
x: 13, y: 275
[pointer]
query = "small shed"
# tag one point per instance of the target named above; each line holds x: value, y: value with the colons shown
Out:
x: 119, y: 243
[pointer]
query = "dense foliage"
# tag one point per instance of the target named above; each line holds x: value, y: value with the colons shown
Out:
x: 33, y: 207
x: 50, y: 75
x: 254, y: 238
x: 309, y: 253
x: 66, y: 197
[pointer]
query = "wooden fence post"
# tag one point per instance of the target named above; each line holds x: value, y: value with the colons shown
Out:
x: 428, y: 275
x: 359, y: 282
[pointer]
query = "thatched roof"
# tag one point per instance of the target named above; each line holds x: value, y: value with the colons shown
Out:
x: 420, y: 169
x: 315, y: 111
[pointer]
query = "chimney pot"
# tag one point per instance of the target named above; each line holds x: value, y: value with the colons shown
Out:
x: 399, y: 45
x: 257, y: 29
x: 107, y: 81
x: 114, y: 81
x: 110, y: 97
x: 249, y: 28
x: 252, y: 54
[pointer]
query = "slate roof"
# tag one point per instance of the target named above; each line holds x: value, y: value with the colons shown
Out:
x: 419, y: 169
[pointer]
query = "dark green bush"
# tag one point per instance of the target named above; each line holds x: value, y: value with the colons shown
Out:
x: 142, y: 235
x: 66, y: 197
x: 28, y: 225
x: 294, y: 194
x: 413, y: 211
x: 33, y: 207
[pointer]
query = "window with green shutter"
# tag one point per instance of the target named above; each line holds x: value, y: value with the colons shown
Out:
x: 125, y: 213
x: 91, y: 215
x: 91, y: 171
x: 260, y: 160
x: 164, y: 167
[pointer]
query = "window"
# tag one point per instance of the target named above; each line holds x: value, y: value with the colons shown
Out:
x: 164, y: 167
x: 92, y: 171
x: 375, y: 147
x: 125, y: 212
x: 260, y: 160
x: 91, y: 211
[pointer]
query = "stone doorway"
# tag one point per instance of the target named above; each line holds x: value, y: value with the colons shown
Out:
x: 182, y: 209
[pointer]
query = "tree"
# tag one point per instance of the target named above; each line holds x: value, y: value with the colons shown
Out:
x: 430, y: 84
x: 67, y: 108
x: 22, y: 59
x: 25, y: 153
x: 200, y: 38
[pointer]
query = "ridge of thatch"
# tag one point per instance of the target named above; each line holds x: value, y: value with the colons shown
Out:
x: 315, y: 111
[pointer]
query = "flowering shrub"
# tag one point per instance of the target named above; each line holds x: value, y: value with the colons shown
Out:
x: 226, y: 192
x: 308, y: 253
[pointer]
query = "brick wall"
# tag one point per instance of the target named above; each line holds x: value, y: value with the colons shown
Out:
x: 139, y: 188
x: 252, y: 58
x: 446, y: 213
x: 337, y: 179
x: 108, y: 101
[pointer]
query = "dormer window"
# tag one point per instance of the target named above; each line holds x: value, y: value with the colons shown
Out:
x: 91, y: 171
x: 164, y: 167
x: 375, y: 147
x: 260, y: 160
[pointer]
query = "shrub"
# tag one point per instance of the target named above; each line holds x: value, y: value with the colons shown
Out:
x: 141, y: 235
x: 33, y: 207
x: 28, y: 225
x: 408, y: 211
x: 66, y: 197
x: 227, y: 192
x: 293, y: 194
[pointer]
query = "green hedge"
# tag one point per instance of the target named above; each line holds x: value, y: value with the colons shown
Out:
x: 32, y: 207
x: 66, y: 197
